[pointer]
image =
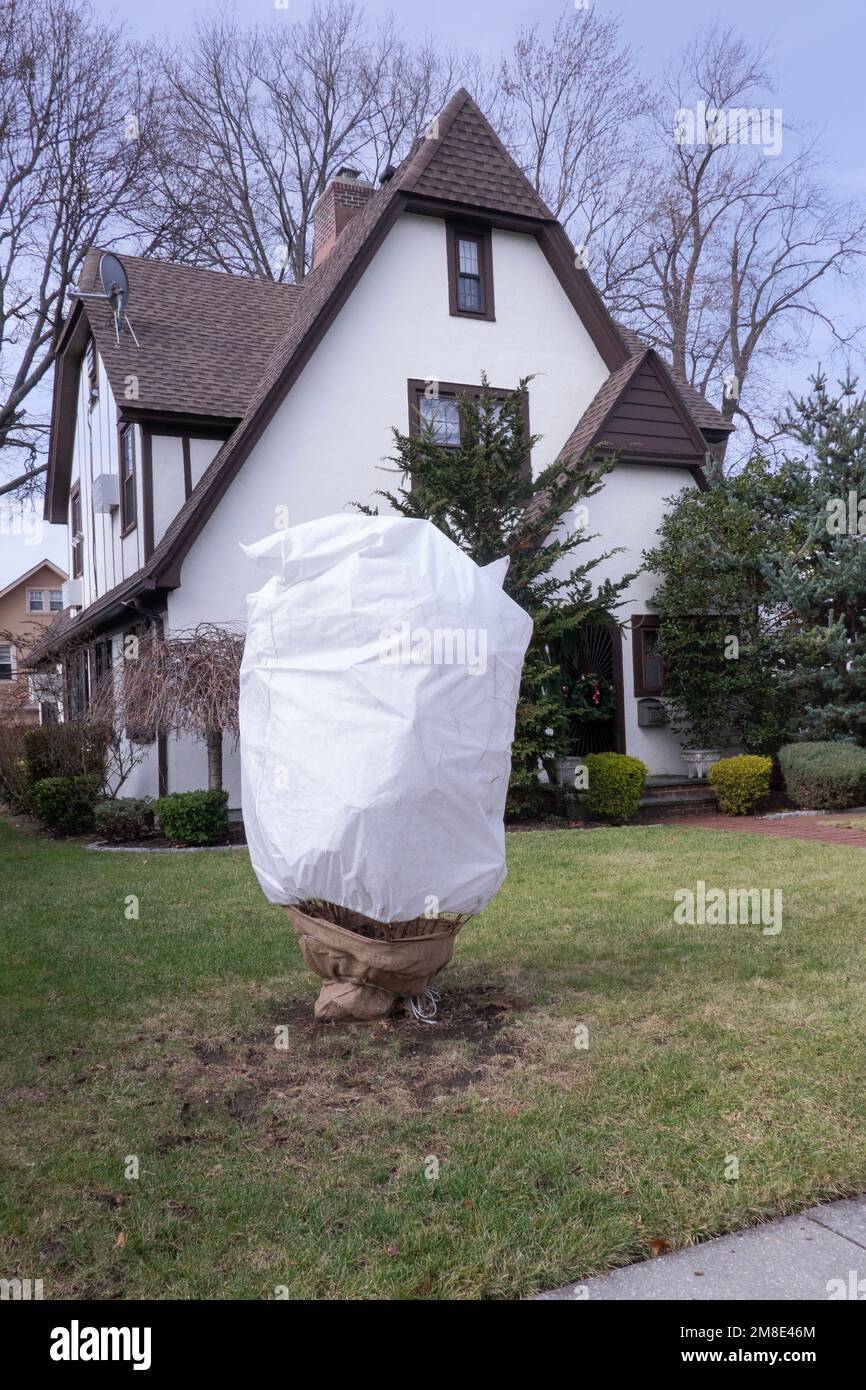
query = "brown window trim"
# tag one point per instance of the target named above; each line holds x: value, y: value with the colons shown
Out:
x: 77, y: 546
x: 127, y: 527
x: 483, y: 235
x: 418, y: 385
x: 641, y: 623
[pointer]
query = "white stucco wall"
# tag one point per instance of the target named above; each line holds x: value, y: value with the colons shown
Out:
x: 201, y: 451
x: 169, y: 494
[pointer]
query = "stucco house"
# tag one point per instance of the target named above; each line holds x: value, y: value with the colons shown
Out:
x: 245, y: 403
x: 28, y: 604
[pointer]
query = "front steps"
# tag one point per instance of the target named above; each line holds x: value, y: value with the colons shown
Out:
x: 677, y: 796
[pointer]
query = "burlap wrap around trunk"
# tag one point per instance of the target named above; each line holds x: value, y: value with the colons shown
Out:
x: 365, y: 977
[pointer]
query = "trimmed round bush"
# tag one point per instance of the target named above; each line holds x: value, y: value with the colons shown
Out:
x: 124, y: 819
x: 615, y: 785
x: 194, y: 818
x: 741, y: 783
x: 824, y: 776
x: 65, y: 804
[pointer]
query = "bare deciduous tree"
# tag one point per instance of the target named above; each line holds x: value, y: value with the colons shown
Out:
x: 721, y: 256
x: 260, y: 119
x: 568, y: 106
x: 183, y: 683
x: 74, y: 113
x: 742, y: 245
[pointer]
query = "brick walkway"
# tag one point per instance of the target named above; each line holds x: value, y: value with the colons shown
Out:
x: 851, y: 832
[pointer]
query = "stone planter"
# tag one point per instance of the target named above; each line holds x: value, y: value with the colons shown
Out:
x: 698, y: 761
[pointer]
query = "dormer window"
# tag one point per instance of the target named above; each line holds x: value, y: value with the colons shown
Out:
x: 470, y: 272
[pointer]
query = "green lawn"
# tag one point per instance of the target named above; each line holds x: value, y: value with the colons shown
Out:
x: 305, y: 1168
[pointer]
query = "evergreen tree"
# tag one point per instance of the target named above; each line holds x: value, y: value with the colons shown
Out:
x: 482, y: 496
x: 823, y: 582
x: 729, y: 662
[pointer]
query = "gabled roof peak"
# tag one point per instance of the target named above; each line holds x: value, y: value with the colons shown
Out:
x: 42, y: 564
x: 461, y: 159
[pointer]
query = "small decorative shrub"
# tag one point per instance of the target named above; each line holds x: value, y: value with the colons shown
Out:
x: 65, y: 750
x: 741, y: 783
x: 194, y: 818
x: 824, y: 776
x: 615, y: 785
x: 127, y: 818
x: 65, y: 804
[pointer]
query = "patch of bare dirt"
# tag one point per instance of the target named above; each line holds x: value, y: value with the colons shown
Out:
x: 299, y: 1065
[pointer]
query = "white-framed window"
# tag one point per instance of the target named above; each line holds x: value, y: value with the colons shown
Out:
x: 55, y: 603
x: 6, y: 672
x: 35, y: 600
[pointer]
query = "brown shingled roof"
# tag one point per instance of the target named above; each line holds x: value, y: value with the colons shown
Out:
x: 639, y: 415
x: 461, y: 157
x: 702, y: 411
x: 205, y: 337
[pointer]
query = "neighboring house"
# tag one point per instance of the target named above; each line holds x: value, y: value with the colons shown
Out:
x: 248, y: 402
x: 27, y: 606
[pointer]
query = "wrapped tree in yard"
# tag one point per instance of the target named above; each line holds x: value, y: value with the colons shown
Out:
x: 481, y: 494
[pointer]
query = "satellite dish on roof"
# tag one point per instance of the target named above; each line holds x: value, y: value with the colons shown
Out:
x: 115, y: 286
x: 114, y: 281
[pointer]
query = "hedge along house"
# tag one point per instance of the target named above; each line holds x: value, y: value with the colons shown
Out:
x: 249, y: 402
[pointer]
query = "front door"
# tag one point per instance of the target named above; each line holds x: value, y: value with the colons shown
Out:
x: 590, y: 666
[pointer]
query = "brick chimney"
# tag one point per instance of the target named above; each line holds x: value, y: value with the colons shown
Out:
x: 344, y: 196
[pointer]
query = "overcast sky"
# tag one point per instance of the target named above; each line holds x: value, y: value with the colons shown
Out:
x: 817, y: 51
x: 818, y: 47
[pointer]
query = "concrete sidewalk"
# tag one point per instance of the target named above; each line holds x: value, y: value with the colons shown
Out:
x: 795, y: 1258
